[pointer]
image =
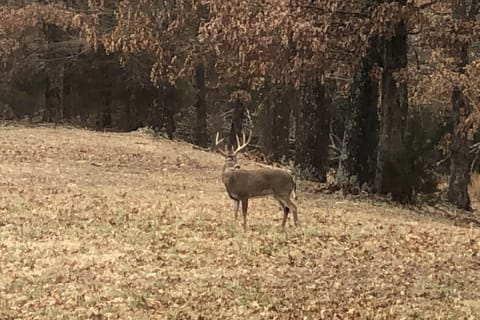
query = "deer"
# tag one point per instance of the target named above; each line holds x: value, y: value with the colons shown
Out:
x: 244, y: 184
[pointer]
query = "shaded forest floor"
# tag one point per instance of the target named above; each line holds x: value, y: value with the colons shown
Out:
x: 110, y: 225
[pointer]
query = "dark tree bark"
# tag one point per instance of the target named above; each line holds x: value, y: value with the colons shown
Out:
x: 266, y: 128
x: 312, y: 119
x: 200, y: 133
x: 166, y: 106
x: 358, y: 154
x: 281, y: 125
x: 55, y: 70
x: 237, y: 122
x: 169, y: 110
x: 266, y: 123
x: 457, y: 193
x: 131, y: 111
x: 390, y: 174
x: 104, y: 119
x: 156, y: 113
x: 54, y: 93
x: 275, y: 125
x: 67, y: 89
x: 107, y: 110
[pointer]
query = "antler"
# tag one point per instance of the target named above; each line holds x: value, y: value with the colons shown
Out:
x: 241, y: 146
x: 217, y: 143
x: 245, y: 142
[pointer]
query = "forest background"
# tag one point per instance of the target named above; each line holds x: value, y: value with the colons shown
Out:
x: 385, y: 94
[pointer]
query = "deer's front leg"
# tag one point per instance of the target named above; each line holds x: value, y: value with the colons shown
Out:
x: 244, y: 212
x: 236, y: 204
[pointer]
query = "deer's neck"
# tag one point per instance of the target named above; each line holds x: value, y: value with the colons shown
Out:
x: 227, y: 173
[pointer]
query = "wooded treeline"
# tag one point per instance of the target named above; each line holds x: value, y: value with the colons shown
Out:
x: 385, y: 91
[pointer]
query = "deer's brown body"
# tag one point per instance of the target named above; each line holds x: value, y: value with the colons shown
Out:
x: 242, y: 184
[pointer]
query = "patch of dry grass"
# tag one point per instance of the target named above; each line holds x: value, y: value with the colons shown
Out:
x: 106, y: 226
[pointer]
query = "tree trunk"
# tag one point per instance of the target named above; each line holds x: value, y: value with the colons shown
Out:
x: 265, y: 119
x: 390, y: 174
x: 275, y: 121
x: 457, y: 193
x: 169, y: 110
x: 460, y: 161
x: 55, y: 70
x: 67, y: 90
x: 107, y: 110
x: 358, y: 154
x: 200, y: 136
x: 155, y: 110
x: 237, y: 122
x: 104, y: 119
x: 281, y: 125
x: 131, y: 111
x: 312, y: 119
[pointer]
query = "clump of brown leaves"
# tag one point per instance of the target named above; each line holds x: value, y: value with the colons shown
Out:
x: 106, y: 226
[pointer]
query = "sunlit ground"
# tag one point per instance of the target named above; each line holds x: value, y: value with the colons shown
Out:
x: 109, y: 225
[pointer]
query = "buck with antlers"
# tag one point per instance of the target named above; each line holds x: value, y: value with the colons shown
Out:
x: 242, y: 184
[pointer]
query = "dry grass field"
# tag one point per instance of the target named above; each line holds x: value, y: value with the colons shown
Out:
x: 125, y: 226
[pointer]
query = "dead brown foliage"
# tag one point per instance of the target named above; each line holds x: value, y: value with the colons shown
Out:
x: 106, y: 226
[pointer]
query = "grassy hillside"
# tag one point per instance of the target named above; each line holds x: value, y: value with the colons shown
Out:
x: 107, y: 226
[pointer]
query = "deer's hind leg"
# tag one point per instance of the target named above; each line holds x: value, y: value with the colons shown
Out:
x: 285, y: 208
x: 293, y: 207
x: 285, y: 216
x: 288, y: 205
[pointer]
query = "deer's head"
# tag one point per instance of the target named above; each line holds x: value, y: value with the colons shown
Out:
x: 230, y: 156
